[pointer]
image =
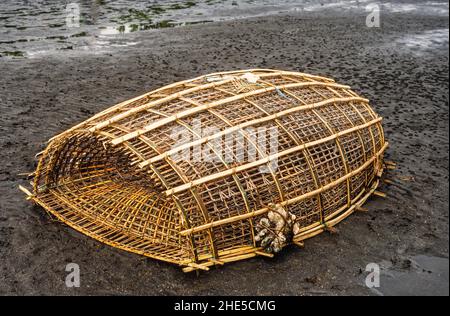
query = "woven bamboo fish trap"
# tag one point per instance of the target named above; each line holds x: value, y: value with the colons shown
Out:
x: 113, y: 177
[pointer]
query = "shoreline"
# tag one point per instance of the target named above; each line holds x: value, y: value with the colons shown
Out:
x: 103, y: 35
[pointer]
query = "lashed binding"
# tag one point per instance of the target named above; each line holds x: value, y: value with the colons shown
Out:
x: 113, y: 177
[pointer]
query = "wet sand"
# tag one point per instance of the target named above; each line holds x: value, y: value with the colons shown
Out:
x: 402, y: 67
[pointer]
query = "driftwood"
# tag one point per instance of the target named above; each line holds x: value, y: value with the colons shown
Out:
x: 116, y: 177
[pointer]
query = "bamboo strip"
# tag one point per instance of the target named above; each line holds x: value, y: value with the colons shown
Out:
x: 26, y: 191
x: 380, y: 194
x: 225, y: 260
x: 198, y: 266
x: 215, y: 261
x: 264, y: 254
x: 227, y: 253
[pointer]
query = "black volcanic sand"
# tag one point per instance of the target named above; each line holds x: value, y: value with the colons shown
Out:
x: 406, y: 233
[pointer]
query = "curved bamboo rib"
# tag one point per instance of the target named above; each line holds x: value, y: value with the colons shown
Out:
x: 244, y: 125
x: 267, y: 159
x: 287, y: 202
x: 195, y: 110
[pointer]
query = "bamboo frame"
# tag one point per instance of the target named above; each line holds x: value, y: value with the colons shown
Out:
x: 114, y: 177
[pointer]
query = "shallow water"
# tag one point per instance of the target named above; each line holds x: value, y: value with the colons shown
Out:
x: 42, y: 27
x: 422, y: 275
x: 428, y: 40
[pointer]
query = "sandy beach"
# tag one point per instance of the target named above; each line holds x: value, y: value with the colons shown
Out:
x: 401, y: 66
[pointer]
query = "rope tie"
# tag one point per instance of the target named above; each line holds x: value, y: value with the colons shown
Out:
x: 281, y: 94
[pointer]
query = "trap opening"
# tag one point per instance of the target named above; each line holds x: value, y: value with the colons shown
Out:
x: 92, y: 187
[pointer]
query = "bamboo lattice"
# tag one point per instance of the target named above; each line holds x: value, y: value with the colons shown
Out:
x: 113, y: 176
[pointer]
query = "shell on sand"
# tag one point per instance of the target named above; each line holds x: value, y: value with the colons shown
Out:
x: 157, y: 175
